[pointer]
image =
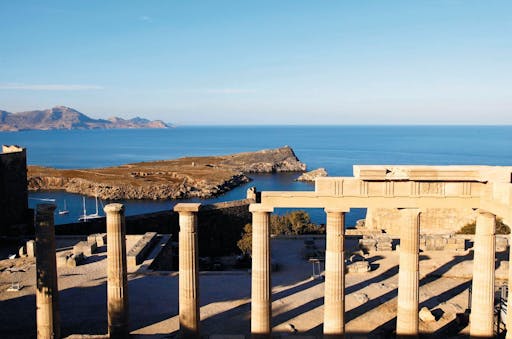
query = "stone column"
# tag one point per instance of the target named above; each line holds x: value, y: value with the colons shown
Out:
x: 47, y: 293
x: 407, y: 325
x: 334, y: 295
x: 261, y: 286
x: 117, y: 281
x: 481, y: 321
x: 189, y: 270
x: 509, y: 300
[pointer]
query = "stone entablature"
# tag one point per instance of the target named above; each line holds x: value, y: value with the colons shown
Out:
x: 356, y: 187
x: 424, y: 187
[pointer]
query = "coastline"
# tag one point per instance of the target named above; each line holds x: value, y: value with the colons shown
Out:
x: 183, y: 178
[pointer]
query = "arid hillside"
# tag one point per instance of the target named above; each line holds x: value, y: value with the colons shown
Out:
x: 201, y: 177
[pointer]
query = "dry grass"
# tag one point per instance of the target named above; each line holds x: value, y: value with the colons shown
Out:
x: 208, y: 169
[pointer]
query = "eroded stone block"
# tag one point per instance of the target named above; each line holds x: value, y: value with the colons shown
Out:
x: 85, y: 247
x: 31, y: 248
x: 358, y: 267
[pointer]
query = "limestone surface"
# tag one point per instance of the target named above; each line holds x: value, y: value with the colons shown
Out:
x: 312, y: 175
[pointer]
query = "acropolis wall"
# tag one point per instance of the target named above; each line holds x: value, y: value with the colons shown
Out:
x: 14, y: 214
x: 433, y: 220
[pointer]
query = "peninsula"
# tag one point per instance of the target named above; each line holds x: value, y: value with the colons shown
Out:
x: 201, y: 177
x: 62, y: 117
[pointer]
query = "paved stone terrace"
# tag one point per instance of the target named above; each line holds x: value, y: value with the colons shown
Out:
x: 225, y: 296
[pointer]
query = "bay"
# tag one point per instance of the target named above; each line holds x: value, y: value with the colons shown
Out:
x: 337, y: 148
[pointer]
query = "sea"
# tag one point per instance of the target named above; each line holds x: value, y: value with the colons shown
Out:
x: 335, y: 148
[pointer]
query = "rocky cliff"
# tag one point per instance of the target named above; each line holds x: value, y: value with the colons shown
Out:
x: 312, y: 175
x: 62, y: 117
x: 201, y: 177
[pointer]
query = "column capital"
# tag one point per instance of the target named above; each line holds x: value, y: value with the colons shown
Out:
x: 113, y: 208
x: 260, y: 208
x: 485, y: 212
x: 187, y: 207
x: 337, y: 209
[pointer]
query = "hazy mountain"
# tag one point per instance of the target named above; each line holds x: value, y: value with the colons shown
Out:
x: 62, y: 117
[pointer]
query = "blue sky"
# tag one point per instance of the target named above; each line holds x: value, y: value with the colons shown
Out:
x: 261, y: 62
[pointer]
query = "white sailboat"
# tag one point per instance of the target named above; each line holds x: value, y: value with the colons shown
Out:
x: 65, y: 210
x: 85, y: 216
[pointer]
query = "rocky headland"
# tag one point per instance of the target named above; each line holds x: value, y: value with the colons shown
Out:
x: 62, y: 117
x: 201, y: 177
x: 312, y: 175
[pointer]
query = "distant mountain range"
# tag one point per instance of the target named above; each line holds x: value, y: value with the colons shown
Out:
x: 61, y: 117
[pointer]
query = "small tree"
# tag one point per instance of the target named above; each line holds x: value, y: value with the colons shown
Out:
x: 470, y: 228
x: 279, y: 224
x: 245, y: 243
x: 296, y: 222
x: 299, y: 221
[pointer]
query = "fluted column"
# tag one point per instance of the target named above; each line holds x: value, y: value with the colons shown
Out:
x: 481, y: 323
x: 261, y: 296
x: 189, y: 270
x: 117, y: 279
x: 334, y: 295
x: 47, y: 293
x: 407, y: 325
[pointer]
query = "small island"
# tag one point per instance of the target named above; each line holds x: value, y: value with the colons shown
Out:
x: 189, y: 177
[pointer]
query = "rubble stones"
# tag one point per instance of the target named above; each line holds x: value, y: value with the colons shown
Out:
x: 358, y: 267
x: 361, y: 297
x: 84, y: 247
x: 384, y: 243
x: 367, y: 244
x: 426, y: 316
x: 99, y: 238
x: 70, y: 259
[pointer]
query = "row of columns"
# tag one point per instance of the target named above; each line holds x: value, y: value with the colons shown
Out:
x: 482, y: 316
x: 47, y: 292
x: 47, y: 314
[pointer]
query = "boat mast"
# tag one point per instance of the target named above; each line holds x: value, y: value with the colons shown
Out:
x: 85, y: 211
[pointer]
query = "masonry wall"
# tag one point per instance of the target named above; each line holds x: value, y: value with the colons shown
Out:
x: 14, y: 213
x: 432, y: 221
x: 220, y: 226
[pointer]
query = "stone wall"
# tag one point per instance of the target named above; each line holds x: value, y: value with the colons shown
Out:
x: 15, y: 216
x: 220, y: 226
x: 432, y: 221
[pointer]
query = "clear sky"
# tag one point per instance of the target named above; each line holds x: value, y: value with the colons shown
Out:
x: 261, y: 62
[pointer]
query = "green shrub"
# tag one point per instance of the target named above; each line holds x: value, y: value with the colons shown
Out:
x: 293, y: 223
x: 245, y: 243
x: 470, y: 228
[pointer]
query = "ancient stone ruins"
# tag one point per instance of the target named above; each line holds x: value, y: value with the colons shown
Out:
x: 408, y: 189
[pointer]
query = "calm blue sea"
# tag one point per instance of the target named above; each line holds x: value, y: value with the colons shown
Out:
x: 336, y: 148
